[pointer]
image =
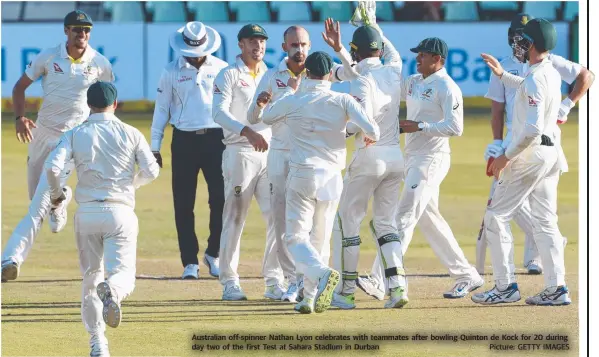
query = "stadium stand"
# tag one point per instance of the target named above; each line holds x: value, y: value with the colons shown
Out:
x: 291, y: 11
x: 546, y: 9
x: 167, y: 11
x: 124, y: 11
x: 460, y: 11
x: 47, y: 10
x: 11, y: 11
x: 246, y: 11
x: 339, y: 10
x: 209, y: 11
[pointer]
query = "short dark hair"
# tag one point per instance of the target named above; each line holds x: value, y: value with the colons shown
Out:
x: 294, y: 28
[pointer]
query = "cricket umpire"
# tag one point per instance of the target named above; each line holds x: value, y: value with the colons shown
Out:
x: 185, y: 97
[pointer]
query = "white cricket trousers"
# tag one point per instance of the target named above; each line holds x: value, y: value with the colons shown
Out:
x: 533, y: 175
x: 106, y: 240
x: 375, y: 171
x: 278, y: 169
x: 22, y: 238
x: 245, y: 176
x: 312, y: 198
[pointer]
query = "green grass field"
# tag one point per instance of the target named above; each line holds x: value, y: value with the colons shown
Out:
x: 41, y: 310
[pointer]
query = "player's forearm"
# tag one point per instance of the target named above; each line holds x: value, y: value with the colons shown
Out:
x: 146, y: 175
x: 226, y: 120
x: 158, y: 125
x: 583, y: 82
x: 390, y: 54
x: 18, y: 101
x: 255, y: 113
x: 370, y: 129
x: 497, y: 113
x: 345, y: 72
x: 445, y: 128
x: 511, y: 80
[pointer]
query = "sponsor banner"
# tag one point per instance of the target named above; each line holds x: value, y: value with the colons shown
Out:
x: 140, y: 51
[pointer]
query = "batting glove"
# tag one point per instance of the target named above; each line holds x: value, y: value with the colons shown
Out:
x: 494, y: 150
x: 564, y: 110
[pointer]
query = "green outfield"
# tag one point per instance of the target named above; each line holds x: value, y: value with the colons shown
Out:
x: 41, y: 310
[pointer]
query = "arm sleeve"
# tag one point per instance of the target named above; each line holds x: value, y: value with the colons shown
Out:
x: 405, y: 83
x: 161, y: 110
x: 107, y: 74
x: 148, y: 167
x: 255, y: 112
x: 390, y: 55
x: 511, y: 80
x: 452, y: 107
x: 277, y: 111
x: 533, y: 127
x: 360, y: 90
x: 56, y: 162
x: 568, y: 70
x: 356, y: 114
x: 344, y: 72
x: 496, y: 91
x: 37, y: 67
x: 221, y: 103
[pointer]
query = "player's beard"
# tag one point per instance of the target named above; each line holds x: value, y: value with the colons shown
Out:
x: 297, y: 55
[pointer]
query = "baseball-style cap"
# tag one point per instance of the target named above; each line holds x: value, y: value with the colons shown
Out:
x: 252, y: 30
x: 101, y: 94
x: 319, y: 63
x: 366, y: 37
x: 432, y: 45
x: 541, y: 33
x: 77, y: 18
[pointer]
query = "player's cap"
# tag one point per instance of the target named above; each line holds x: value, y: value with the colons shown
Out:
x: 541, y: 33
x: 195, y: 40
x: 252, y: 30
x: 366, y: 38
x: 432, y: 45
x: 77, y: 18
x: 319, y: 63
x: 101, y: 94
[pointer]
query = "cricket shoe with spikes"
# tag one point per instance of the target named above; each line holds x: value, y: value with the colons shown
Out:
x: 534, y: 268
x: 111, y: 312
x: 462, y: 288
x: 398, y: 298
x: 233, y: 292
x: 99, y: 346
x: 371, y: 287
x: 274, y: 292
x: 306, y: 306
x: 10, y: 270
x: 496, y: 296
x: 345, y: 302
x: 552, y: 296
x: 58, y: 214
x: 326, y: 288
x: 291, y: 293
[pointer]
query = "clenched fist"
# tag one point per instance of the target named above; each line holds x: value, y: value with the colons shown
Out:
x: 263, y: 99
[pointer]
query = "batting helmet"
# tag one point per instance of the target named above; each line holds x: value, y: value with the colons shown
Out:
x: 517, y: 26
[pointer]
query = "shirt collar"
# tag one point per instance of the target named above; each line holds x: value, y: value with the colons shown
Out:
x: 440, y: 73
x: 182, y: 62
x: 284, y: 68
x: 310, y: 85
x: 367, y: 63
x: 244, y: 69
x: 102, y: 116
x: 540, y: 64
x: 86, y: 54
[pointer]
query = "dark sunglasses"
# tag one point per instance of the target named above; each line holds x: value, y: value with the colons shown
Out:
x: 80, y: 29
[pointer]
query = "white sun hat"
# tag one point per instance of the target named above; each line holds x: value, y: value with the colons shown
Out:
x: 195, y: 40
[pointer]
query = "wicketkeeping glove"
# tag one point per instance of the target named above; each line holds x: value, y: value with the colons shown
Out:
x: 564, y: 110
x: 365, y: 14
x: 494, y: 150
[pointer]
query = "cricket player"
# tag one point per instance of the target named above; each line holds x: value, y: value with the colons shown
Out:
x: 272, y: 86
x: 105, y: 152
x: 67, y: 71
x: 244, y: 163
x: 317, y: 119
x: 529, y: 170
x: 503, y: 101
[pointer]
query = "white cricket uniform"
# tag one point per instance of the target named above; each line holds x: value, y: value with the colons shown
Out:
x: 498, y: 92
x: 437, y: 102
x: 375, y: 171
x: 275, y: 82
x: 316, y: 117
x: 244, y: 170
x: 64, y: 106
x: 105, y: 152
x: 532, y: 174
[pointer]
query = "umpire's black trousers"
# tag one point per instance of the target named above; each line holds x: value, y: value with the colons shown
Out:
x: 193, y: 151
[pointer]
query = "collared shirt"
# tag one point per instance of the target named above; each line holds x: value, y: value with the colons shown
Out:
x: 536, y: 106
x: 275, y: 82
x: 234, y: 90
x: 498, y: 92
x: 378, y: 90
x: 317, y: 117
x: 185, y: 97
x: 437, y: 102
x: 64, y: 83
x: 105, y: 152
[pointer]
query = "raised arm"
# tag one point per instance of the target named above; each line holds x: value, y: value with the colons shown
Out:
x: 332, y: 37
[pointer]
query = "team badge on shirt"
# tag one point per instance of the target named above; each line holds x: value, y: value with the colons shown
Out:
x: 57, y: 68
x: 427, y: 93
x: 280, y: 84
x: 532, y: 102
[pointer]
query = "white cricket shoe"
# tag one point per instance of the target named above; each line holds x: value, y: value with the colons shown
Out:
x: 534, y: 268
x: 554, y: 296
x: 191, y: 271
x: 291, y: 293
x: 371, y: 287
x: 99, y: 347
x: 111, y: 312
x: 213, y: 265
x: 345, y: 302
x: 306, y: 306
x: 300, y: 289
x: 462, y: 288
x: 496, y: 296
x: 233, y: 292
x: 398, y: 298
x: 58, y: 214
x: 10, y: 270
x: 326, y: 288
x: 274, y: 292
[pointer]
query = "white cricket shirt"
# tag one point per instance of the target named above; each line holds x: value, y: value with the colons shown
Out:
x: 64, y: 83
x: 184, y: 97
